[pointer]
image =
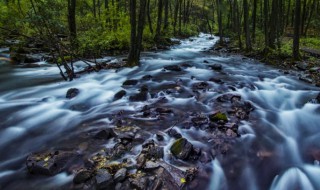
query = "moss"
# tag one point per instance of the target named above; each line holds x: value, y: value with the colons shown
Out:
x: 177, y: 146
x: 67, y: 58
x: 114, y: 167
x: 219, y: 117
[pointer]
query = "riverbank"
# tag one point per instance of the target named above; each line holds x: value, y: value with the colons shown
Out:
x: 307, y: 70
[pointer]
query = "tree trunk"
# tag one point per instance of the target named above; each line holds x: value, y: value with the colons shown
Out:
x: 219, y: 13
x: 94, y: 8
x: 72, y: 19
x: 180, y: 16
x: 273, y: 24
x: 132, y: 57
x: 159, y: 21
x: 175, y: 19
x: 136, y: 31
x: 310, y: 16
x: 106, y: 4
x: 296, y: 37
x: 149, y: 17
x: 254, y: 17
x: 246, y: 25
x: 166, y: 15
x: 288, y: 13
x: 303, y: 16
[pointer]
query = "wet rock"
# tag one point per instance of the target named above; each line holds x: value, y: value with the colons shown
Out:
x: 30, y: 58
x: 315, y: 100
x: 205, y: 61
x: 24, y: 58
x: 191, y: 174
x: 226, y: 97
x: 144, y: 88
x: 164, y: 180
x: 119, y: 95
x: 147, y: 77
x: 186, y: 65
x: 118, y: 150
x: 130, y: 82
x: 314, y: 69
x: 173, y: 68
x: 48, y: 163
x: 140, y: 183
x: 241, y: 113
x: 216, y: 67
x: 163, y: 111
x: 141, y: 160
x: 150, y: 165
x: 103, y: 179
x: 72, y: 92
x: 155, y: 152
x: 140, y: 97
x: 205, y: 157
x: 231, y: 133
x: 200, y: 120
x: 82, y: 176
x: 302, y: 66
x: 120, y: 175
x: 200, y: 85
x: 181, y: 149
x: 105, y: 134
x: 31, y: 65
x: 126, y: 137
x: 159, y: 137
x: 216, y: 80
x: 219, y: 117
x: 306, y: 79
x: 174, y: 133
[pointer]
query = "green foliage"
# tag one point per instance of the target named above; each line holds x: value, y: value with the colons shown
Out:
x: 311, y: 42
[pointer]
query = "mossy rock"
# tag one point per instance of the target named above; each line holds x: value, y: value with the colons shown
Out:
x: 181, y: 148
x: 219, y: 117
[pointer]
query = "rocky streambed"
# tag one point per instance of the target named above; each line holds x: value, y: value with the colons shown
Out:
x: 185, y: 119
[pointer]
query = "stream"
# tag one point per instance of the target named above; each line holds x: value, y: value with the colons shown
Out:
x: 276, y: 144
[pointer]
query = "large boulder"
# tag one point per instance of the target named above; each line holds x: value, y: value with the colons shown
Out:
x: 216, y: 67
x: 105, y: 134
x: 119, y: 95
x: 130, y: 82
x: 82, y: 176
x: 103, y: 179
x: 48, y: 163
x: 181, y: 149
x: 173, y: 68
x: 72, y: 92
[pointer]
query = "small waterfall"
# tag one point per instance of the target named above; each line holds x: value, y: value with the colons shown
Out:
x: 218, y: 180
x: 293, y: 178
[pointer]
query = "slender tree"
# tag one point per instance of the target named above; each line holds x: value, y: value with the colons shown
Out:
x: 246, y: 25
x: 72, y: 18
x: 254, y: 17
x: 159, y: 21
x: 296, y: 37
x: 136, y: 31
x: 219, y: 14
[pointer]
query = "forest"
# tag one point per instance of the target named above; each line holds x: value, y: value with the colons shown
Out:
x: 160, y: 94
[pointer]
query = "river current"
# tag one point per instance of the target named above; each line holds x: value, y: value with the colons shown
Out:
x: 277, y: 149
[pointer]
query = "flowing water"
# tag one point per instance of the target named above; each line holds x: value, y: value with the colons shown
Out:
x: 275, y: 149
